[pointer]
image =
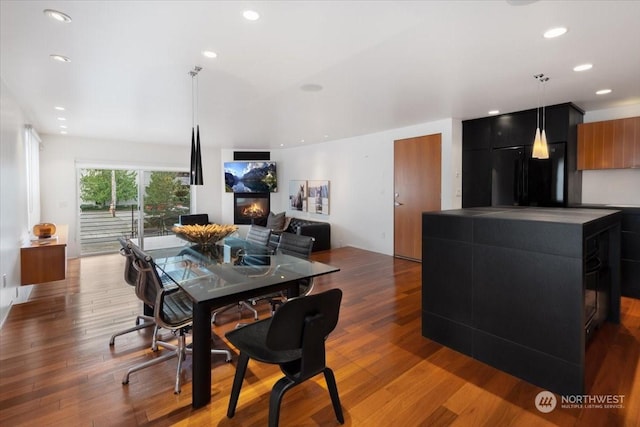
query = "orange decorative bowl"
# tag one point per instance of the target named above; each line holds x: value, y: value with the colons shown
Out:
x: 44, y: 230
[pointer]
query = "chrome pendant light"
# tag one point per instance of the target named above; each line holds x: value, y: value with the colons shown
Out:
x: 540, y: 147
x: 196, y: 158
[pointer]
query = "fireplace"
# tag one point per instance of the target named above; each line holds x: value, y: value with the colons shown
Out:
x: 250, y: 207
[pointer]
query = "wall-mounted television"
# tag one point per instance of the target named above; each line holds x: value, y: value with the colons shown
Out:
x: 250, y: 177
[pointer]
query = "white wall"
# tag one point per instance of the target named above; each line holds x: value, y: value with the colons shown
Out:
x: 14, y: 228
x: 360, y: 171
x: 58, y: 173
x: 611, y: 186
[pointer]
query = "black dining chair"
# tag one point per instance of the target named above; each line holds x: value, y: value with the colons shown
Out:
x: 172, y: 310
x: 256, y: 254
x: 293, y: 338
x: 295, y: 245
x: 130, y: 277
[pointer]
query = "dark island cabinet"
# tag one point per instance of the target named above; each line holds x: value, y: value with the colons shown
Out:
x: 630, y: 253
x: 522, y: 289
x: 481, y: 136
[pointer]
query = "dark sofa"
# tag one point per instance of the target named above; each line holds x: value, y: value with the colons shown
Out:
x: 320, y: 231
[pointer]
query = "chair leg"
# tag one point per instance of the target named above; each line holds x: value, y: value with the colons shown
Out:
x: 138, y: 326
x: 275, y: 398
x: 333, y: 392
x: 248, y: 306
x: 181, y: 352
x: 241, y: 368
x: 165, y: 357
x: 154, y: 340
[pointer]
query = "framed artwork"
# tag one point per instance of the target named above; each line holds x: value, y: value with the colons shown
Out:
x: 297, y: 195
x: 318, y: 198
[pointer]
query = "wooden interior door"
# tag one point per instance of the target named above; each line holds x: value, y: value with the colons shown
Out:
x: 417, y: 179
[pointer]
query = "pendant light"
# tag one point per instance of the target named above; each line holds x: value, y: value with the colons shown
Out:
x: 540, y: 147
x: 196, y: 158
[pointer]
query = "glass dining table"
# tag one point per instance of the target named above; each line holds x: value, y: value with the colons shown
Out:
x: 217, y: 276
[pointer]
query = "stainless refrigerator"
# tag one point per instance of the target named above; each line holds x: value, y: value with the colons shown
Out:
x: 517, y: 179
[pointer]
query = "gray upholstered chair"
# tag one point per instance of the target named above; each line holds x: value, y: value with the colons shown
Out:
x: 172, y: 310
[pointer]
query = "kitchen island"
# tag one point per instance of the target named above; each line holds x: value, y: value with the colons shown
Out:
x: 521, y: 289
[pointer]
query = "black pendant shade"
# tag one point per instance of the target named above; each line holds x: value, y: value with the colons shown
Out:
x: 192, y: 176
x: 195, y: 177
x: 196, y: 161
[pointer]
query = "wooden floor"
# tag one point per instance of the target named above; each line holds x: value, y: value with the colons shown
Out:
x: 56, y: 367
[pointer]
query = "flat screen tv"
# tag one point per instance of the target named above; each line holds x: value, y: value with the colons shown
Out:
x: 250, y: 177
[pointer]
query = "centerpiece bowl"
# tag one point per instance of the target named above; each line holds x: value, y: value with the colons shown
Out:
x: 204, y: 235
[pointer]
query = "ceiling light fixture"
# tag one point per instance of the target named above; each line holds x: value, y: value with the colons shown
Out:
x: 494, y: 112
x: 60, y: 58
x: 58, y: 16
x: 554, y: 32
x: 62, y: 119
x: 209, y: 54
x: 59, y: 108
x: 251, y: 15
x: 603, y: 91
x: 583, y: 67
x: 63, y: 132
x: 540, y: 148
x: 196, y: 157
x: 63, y: 127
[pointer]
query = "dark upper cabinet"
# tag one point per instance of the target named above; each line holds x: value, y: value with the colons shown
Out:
x: 515, y: 129
x: 476, y: 134
x: 556, y: 123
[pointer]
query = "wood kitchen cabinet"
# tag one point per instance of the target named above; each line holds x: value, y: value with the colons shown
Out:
x: 610, y: 144
x: 44, y: 260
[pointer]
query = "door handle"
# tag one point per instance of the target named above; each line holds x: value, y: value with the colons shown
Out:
x: 396, y: 204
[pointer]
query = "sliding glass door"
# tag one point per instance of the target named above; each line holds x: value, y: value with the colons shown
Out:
x: 165, y: 196
x: 139, y: 204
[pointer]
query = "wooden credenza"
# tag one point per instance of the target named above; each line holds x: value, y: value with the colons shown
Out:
x: 44, y: 260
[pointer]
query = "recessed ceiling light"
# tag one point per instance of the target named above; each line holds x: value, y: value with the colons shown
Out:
x: 58, y: 16
x: 60, y: 58
x: 63, y: 127
x: 251, y: 15
x: 59, y: 108
x: 311, y: 87
x: 494, y: 112
x: 64, y: 132
x: 583, y: 67
x: 209, y: 54
x: 281, y: 145
x: 302, y: 140
x: 62, y: 119
x: 603, y: 91
x: 554, y: 32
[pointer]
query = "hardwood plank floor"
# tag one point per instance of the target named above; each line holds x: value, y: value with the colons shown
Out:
x: 56, y: 367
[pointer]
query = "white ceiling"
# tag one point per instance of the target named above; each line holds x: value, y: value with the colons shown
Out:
x: 381, y: 64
